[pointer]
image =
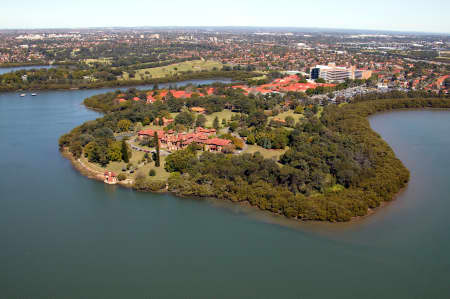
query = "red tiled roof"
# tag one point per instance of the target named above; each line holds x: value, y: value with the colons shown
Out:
x: 218, y: 141
x: 151, y: 133
x: 198, y: 109
x: 203, y: 130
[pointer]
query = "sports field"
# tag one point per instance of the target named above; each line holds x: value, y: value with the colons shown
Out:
x: 174, y: 69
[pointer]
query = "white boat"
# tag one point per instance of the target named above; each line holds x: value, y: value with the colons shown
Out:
x: 34, y: 94
x: 23, y: 94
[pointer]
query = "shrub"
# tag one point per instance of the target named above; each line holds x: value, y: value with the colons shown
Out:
x: 146, y: 185
x: 152, y: 172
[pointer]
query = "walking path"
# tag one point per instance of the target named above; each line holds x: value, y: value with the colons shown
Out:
x: 100, y: 174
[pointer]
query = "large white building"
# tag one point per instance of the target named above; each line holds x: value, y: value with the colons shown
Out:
x: 332, y: 73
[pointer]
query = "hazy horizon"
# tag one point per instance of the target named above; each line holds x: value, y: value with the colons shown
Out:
x: 225, y: 27
x: 400, y: 16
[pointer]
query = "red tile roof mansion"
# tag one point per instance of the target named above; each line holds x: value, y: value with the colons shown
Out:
x: 173, y: 141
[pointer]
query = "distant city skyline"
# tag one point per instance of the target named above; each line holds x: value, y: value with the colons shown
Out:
x: 382, y: 15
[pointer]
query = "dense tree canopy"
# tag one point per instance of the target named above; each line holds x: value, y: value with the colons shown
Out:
x: 335, y: 167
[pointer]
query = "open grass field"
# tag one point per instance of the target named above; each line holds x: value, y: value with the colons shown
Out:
x: 262, y: 77
x: 266, y: 153
x: 287, y: 113
x: 224, y: 114
x: 173, y: 69
x: 99, y: 60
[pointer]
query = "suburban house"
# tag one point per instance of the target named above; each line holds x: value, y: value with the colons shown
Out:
x: 162, y: 95
x: 281, y: 85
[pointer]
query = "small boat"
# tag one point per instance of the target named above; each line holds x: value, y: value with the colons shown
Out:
x: 34, y: 94
x: 23, y: 94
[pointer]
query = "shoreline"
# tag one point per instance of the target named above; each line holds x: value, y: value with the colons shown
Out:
x: 392, y: 196
x: 14, y: 65
x: 220, y: 75
x: 90, y: 173
x: 128, y: 85
x: 98, y: 176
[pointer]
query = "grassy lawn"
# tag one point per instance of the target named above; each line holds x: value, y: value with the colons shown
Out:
x: 161, y: 173
x: 173, y: 69
x: 117, y: 167
x: 288, y: 113
x: 266, y: 153
x: 221, y: 115
x: 99, y: 60
x: 262, y: 77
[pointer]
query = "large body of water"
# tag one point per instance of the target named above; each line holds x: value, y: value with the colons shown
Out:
x: 4, y: 70
x: 65, y: 236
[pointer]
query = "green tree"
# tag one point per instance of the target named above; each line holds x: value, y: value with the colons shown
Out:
x: 290, y: 121
x: 279, y: 138
x: 90, y: 151
x: 157, y: 158
x: 299, y: 109
x: 124, y: 151
x: 302, y: 80
x: 184, y: 118
x: 76, y: 149
x: 320, y: 80
x: 315, y: 109
x: 251, y: 139
x: 257, y: 119
x: 180, y: 160
x: 124, y: 125
x: 216, y: 123
x: 201, y: 120
x: 114, y: 151
x: 174, y: 104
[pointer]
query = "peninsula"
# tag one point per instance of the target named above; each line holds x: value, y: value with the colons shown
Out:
x: 284, y: 153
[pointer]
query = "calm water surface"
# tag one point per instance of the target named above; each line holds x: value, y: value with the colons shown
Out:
x: 65, y: 236
x: 4, y: 70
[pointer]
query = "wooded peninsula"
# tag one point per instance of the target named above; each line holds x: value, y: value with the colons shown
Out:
x: 321, y: 162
